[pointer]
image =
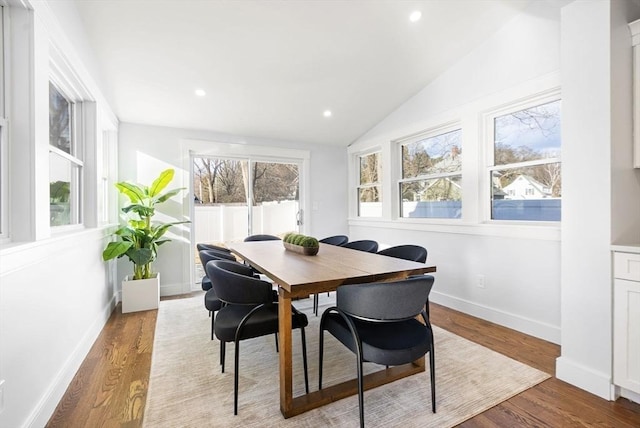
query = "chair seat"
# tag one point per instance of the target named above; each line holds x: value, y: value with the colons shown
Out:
x: 381, y: 342
x: 262, y: 323
x: 211, y: 301
x: 206, y: 283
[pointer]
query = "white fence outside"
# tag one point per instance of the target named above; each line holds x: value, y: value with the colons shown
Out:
x: 228, y: 223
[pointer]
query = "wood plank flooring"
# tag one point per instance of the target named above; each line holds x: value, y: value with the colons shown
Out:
x: 110, y: 387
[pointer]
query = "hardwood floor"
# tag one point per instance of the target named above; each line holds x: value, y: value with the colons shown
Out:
x: 110, y: 387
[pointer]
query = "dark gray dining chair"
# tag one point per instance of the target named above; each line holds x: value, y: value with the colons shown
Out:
x: 249, y: 312
x: 205, y: 256
x: 379, y: 332
x: 414, y: 253
x: 204, y: 246
x: 366, y: 245
x: 211, y: 301
x: 261, y: 238
x: 337, y: 240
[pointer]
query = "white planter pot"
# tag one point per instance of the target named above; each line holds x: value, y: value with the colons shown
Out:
x: 140, y: 294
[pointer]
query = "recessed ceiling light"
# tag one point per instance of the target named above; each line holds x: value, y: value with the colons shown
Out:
x: 200, y: 92
x: 327, y: 113
x: 415, y: 16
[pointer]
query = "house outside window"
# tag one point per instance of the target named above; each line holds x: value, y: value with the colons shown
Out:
x: 369, y: 188
x: 431, y: 183
x: 525, y: 172
x: 65, y: 160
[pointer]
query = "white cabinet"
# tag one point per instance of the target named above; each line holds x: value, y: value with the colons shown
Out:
x: 626, y: 323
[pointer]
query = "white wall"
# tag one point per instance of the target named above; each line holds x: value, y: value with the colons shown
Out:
x: 521, y: 264
x: 56, y: 293
x: 55, y: 297
x: 597, y: 144
x: 145, y: 150
x: 557, y: 289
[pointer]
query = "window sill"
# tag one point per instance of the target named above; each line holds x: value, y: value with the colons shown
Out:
x: 520, y: 230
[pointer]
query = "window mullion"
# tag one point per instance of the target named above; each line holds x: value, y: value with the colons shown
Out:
x: 66, y: 155
x: 537, y: 162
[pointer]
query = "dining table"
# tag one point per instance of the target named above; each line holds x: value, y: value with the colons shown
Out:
x: 297, y: 276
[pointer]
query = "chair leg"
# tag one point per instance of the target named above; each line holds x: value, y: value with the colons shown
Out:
x: 235, y: 377
x: 222, y: 349
x: 432, y: 368
x: 360, y: 391
x: 320, y: 354
x: 213, y: 320
x: 276, y: 336
x: 315, y: 304
x: 304, y: 360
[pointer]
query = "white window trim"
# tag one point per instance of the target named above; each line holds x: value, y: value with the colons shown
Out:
x: 397, y: 144
x: 487, y: 166
x: 68, y: 82
x: 77, y: 149
x: 355, y: 181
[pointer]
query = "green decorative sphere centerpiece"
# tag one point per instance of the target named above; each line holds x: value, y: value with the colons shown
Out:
x: 302, y: 244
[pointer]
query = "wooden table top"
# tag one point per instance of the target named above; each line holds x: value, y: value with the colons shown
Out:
x: 332, y: 266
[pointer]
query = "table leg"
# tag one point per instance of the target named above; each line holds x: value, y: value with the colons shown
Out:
x: 285, y: 357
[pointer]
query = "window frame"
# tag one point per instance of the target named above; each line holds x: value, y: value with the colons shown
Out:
x: 431, y: 132
x: 74, y: 157
x: 359, y: 186
x: 488, y: 124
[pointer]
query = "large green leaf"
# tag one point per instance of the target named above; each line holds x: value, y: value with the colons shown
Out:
x: 133, y: 191
x: 140, y: 256
x: 115, y: 249
x: 141, y: 210
x: 161, y: 182
x: 168, y: 195
x: 161, y: 229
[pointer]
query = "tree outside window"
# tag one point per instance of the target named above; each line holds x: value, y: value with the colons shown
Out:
x: 525, y: 177
x: 65, y: 164
x: 225, y: 181
x: 431, y: 184
x: 369, y: 189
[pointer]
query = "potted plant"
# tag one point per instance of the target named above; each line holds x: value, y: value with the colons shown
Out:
x: 139, y: 240
x: 302, y: 244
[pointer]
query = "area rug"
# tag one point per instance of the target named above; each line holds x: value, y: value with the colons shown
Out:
x: 187, y: 389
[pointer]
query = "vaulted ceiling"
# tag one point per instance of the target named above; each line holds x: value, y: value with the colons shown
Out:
x: 270, y: 68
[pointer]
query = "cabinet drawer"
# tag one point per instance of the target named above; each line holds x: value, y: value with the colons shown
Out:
x: 626, y: 266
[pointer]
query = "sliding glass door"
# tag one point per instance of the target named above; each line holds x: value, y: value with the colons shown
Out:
x: 234, y: 198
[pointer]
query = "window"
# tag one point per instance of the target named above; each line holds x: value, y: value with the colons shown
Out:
x: 430, y: 186
x: 369, y: 189
x: 65, y: 161
x: 524, y: 175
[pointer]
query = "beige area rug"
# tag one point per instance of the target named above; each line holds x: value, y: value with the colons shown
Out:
x: 187, y: 389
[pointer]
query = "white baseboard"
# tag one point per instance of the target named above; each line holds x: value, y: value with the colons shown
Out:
x: 630, y: 395
x: 597, y: 383
x: 525, y: 325
x: 47, y: 405
x: 173, y: 289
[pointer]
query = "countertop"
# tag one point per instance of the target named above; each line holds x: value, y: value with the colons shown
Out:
x: 631, y: 248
